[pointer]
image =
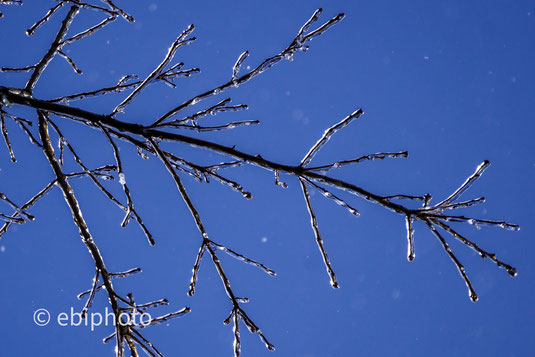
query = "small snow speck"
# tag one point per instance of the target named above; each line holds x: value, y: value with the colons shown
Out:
x: 2, y: 249
x: 264, y: 239
x: 153, y: 7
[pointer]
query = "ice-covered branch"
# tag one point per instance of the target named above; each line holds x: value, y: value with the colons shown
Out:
x: 370, y: 157
x: 287, y: 53
x: 327, y: 136
x: 54, y: 48
x: 319, y: 240
x: 180, y: 41
x: 44, y: 19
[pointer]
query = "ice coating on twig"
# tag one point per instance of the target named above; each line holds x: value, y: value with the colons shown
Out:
x: 21, y: 69
x: 468, y: 203
x: 89, y: 31
x: 287, y: 53
x: 219, y: 107
x: 180, y: 41
x: 18, y: 210
x: 370, y: 157
x: 404, y: 197
x: 278, y: 182
x: 319, y: 240
x: 237, y: 65
x: 466, y: 185
x: 243, y: 258
x: 327, y: 135
x: 91, y: 294
x: 333, y: 197
x: 410, y: 238
x: 6, y: 137
x: 124, y: 274
x: 208, y: 245
x: 44, y: 19
x: 304, y: 28
x: 195, y: 270
x: 168, y: 76
x: 123, y: 13
x: 36, y: 197
x: 231, y: 125
x: 475, y: 221
x: 70, y: 61
x: 460, y: 267
x: 54, y: 47
x: 129, y: 208
x: 484, y: 254
x: 146, y: 344
x: 237, y: 343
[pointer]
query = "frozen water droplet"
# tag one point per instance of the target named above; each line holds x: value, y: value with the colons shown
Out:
x: 195, y: 101
x: 473, y: 297
x: 142, y: 154
x: 122, y: 178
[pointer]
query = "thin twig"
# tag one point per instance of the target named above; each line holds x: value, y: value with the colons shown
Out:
x: 319, y: 240
x: 327, y: 135
x: 180, y: 41
x: 54, y: 47
x: 460, y: 267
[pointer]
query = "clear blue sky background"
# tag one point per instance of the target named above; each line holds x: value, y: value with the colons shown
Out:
x: 451, y: 81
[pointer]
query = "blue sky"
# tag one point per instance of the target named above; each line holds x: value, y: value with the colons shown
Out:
x: 451, y: 82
